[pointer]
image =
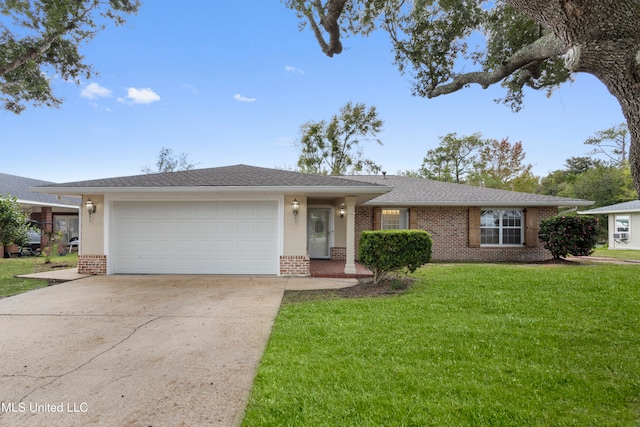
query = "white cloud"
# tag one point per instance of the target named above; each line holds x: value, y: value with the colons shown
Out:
x: 290, y: 69
x: 241, y: 98
x: 94, y: 90
x: 190, y: 88
x: 141, y: 96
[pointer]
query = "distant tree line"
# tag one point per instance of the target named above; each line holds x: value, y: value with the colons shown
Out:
x: 335, y: 147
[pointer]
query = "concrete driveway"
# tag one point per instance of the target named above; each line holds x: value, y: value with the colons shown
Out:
x: 137, y: 350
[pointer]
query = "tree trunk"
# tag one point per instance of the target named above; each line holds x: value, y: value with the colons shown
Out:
x: 603, y: 39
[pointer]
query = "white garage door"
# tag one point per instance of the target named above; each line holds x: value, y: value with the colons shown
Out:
x: 195, y: 237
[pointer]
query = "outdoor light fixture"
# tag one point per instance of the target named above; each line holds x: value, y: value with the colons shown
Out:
x: 91, y: 208
x: 295, y: 207
x: 342, y: 211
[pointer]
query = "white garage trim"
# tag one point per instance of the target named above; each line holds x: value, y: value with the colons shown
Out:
x: 194, y: 237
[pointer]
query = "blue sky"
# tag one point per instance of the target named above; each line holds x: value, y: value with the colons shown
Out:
x: 228, y: 85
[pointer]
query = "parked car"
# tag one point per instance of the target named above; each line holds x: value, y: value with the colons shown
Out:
x: 35, y: 234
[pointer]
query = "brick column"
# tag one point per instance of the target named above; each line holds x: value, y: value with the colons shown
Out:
x: 92, y: 264
x: 295, y: 265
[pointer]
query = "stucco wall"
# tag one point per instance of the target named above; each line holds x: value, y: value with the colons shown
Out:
x: 449, y: 228
x: 92, y: 231
x: 339, y: 225
x: 295, y: 228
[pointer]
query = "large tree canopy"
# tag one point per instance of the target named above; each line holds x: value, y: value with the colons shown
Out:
x: 39, y: 39
x: 454, y: 158
x: 333, y: 147
x: 528, y: 43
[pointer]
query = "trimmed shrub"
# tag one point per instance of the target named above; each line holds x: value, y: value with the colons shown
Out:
x: 384, y: 251
x: 569, y: 235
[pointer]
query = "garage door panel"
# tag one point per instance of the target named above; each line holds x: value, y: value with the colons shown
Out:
x: 263, y: 246
x: 245, y: 228
x: 191, y: 227
x: 246, y: 246
x: 138, y: 227
x: 195, y: 237
x: 265, y: 211
x: 263, y: 226
x: 137, y: 246
x: 183, y: 246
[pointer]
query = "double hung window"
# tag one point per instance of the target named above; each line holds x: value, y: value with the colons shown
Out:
x: 501, y: 227
x: 394, y: 219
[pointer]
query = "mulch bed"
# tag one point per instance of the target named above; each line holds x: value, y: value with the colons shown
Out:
x: 390, y: 286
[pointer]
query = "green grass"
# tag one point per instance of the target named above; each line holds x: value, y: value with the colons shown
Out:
x: 11, y: 267
x: 618, y: 254
x: 503, y: 345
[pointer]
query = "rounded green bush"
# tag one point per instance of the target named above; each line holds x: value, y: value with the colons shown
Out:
x: 384, y: 251
x: 569, y: 235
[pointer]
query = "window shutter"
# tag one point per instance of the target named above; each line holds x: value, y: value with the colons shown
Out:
x: 413, y: 219
x: 474, y: 227
x: 531, y: 228
x: 377, y: 218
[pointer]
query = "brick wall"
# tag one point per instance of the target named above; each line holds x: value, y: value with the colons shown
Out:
x: 338, y: 253
x: 92, y: 264
x: 364, y: 221
x: 295, y: 265
x: 449, y: 229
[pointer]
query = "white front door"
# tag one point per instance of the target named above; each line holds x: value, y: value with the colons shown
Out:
x: 318, y: 232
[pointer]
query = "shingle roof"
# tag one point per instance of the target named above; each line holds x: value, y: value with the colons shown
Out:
x: 18, y: 186
x: 226, y: 176
x: 631, y: 206
x: 409, y: 191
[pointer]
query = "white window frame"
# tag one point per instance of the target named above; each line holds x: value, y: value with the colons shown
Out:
x: 620, y: 229
x: 501, y: 227
x: 402, y: 218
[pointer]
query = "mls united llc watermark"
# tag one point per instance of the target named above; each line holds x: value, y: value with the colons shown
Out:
x: 47, y: 408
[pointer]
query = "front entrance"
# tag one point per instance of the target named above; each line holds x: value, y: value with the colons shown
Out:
x: 319, y: 232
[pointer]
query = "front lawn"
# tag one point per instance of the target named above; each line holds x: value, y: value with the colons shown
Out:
x: 11, y: 267
x: 468, y: 344
x: 624, y: 254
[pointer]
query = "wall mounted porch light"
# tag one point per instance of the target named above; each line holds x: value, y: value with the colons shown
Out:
x: 91, y: 208
x: 342, y: 211
x: 295, y: 207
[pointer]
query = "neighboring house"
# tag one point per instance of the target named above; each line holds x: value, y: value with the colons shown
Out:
x: 624, y: 224
x: 250, y: 220
x: 48, y: 210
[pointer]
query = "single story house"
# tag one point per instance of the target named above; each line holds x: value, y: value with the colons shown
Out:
x: 624, y: 223
x: 48, y: 210
x: 251, y: 220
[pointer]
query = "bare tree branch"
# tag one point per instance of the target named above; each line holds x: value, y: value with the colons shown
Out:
x: 317, y: 32
x: 331, y: 25
x: 548, y: 46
